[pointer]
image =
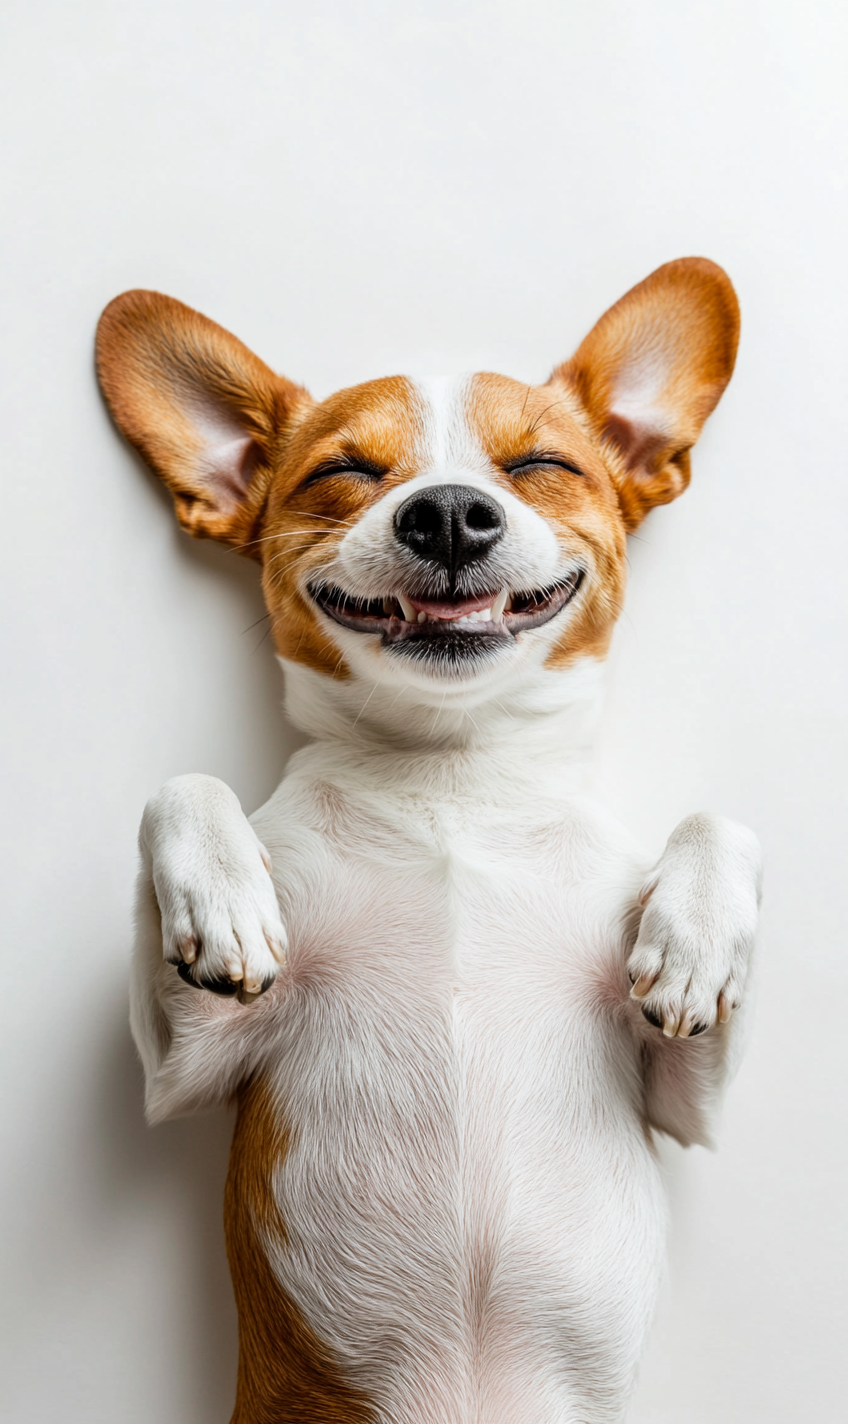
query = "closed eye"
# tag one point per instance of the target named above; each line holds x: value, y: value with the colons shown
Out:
x: 354, y: 465
x: 541, y: 460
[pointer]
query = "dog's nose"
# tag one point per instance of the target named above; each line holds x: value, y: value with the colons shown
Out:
x: 451, y: 525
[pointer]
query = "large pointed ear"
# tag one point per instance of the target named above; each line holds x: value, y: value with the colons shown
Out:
x: 201, y: 409
x: 651, y: 372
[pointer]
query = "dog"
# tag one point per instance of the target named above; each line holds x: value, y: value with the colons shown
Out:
x: 454, y: 1000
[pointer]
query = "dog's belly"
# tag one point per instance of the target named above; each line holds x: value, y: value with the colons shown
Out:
x: 467, y: 1211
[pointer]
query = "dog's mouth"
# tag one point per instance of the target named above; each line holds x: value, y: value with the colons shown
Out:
x: 463, y: 626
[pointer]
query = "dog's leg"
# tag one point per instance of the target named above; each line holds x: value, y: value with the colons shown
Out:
x: 689, y: 968
x: 207, y: 919
x: 212, y: 878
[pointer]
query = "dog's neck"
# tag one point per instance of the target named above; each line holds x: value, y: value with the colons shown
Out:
x: 537, y: 733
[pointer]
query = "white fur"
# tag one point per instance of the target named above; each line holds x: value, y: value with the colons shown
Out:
x: 473, y: 1209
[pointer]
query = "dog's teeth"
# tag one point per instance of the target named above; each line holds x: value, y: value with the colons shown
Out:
x: 422, y: 617
x: 499, y: 605
x: 471, y: 617
x: 484, y: 615
x: 407, y: 608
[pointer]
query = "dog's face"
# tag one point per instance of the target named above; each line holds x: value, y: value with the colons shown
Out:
x: 435, y: 536
x: 440, y: 535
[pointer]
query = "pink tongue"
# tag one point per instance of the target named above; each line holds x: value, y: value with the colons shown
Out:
x: 434, y: 609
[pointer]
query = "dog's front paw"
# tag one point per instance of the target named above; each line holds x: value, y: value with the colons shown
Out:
x: 690, y: 961
x: 222, y: 928
x: 221, y: 922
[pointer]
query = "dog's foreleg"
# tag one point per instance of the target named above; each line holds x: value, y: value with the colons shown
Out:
x: 207, y: 919
x: 690, y: 966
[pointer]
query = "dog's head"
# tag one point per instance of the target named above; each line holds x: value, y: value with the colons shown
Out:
x: 438, y: 536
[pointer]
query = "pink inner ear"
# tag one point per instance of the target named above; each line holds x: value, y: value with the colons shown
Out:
x: 636, y: 421
x: 227, y: 455
x: 639, y: 443
x: 227, y: 469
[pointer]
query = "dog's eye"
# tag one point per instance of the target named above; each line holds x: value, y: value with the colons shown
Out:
x: 356, y: 467
x: 541, y: 460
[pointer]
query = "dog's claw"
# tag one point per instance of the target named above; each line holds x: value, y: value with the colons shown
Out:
x: 186, y: 975
x: 226, y: 988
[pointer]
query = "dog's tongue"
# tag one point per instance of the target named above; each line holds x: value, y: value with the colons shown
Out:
x: 434, y: 608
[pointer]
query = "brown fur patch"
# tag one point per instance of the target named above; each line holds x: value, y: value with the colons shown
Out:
x: 286, y: 1375
x: 511, y: 421
x: 379, y: 422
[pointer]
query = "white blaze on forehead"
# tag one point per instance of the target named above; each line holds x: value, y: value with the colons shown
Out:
x: 449, y: 447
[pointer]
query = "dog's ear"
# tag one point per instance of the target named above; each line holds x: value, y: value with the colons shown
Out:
x: 201, y: 409
x: 651, y: 372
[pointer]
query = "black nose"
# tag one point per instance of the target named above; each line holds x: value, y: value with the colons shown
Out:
x: 450, y: 525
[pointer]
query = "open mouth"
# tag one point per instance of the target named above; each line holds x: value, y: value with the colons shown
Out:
x: 466, y: 624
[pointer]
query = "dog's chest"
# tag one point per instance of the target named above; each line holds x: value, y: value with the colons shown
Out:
x: 454, y: 886
x: 471, y: 951
x: 455, y: 1074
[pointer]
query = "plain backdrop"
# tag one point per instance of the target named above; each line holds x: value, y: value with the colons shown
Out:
x: 357, y: 189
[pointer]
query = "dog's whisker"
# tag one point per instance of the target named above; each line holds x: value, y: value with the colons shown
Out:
x: 348, y: 523
x: 368, y: 699
x: 263, y: 619
x: 287, y: 534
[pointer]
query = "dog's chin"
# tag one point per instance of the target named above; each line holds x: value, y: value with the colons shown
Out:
x: 447, y: 639
x: 448, y: 652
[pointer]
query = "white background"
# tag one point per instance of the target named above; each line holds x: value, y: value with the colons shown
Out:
x: 356, y: 189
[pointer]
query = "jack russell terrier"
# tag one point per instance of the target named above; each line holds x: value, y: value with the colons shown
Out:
x: 453, y: 998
